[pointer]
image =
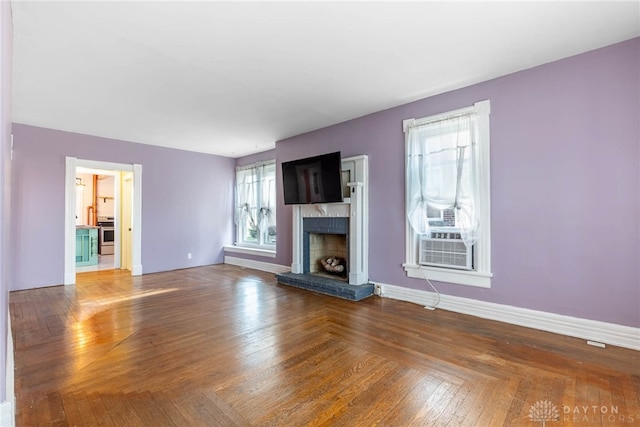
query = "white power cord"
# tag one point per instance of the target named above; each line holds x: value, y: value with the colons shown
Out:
x: 431, y: 307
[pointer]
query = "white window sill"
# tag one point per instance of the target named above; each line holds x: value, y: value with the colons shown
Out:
x: 270, y: 253
x: 459, y: 277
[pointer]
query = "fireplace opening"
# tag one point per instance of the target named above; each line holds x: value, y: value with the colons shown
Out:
x: 328, y: 255
x: 326, y: 247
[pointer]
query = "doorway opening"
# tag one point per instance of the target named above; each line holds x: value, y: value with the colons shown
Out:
x: 98, y: 208
x: 103, y: 207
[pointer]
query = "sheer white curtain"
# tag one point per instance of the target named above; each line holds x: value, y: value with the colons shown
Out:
x: 442, y: 173
x: 255, y: 199
x: 246, y: 196
x: 267, y: 197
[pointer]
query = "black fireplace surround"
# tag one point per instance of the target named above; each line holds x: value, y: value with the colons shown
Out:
x: 321, y: 225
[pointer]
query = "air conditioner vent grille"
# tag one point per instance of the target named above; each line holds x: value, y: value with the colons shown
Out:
x: 445, y: 248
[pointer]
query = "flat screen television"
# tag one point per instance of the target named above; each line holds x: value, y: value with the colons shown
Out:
x: 315, y: 179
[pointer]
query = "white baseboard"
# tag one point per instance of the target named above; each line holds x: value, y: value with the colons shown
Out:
x: 137, y: 270
x: 7, y: 408
x: 592, y: 330
x: 6, y: 414
x: 257, y: 265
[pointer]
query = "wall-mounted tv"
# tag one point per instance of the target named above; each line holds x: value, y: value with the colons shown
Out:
x: 315, y: 179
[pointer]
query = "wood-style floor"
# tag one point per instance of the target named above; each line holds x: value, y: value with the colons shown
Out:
x: 225, y: 346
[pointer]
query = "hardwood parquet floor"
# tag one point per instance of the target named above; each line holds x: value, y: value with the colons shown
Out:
x: 226, y: 346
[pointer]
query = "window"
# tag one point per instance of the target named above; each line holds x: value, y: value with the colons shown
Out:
x: 448, y: 225
x: 255, y: 213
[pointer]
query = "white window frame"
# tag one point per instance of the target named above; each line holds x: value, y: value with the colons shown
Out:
x: 481, y: 275
x: 259, y: 248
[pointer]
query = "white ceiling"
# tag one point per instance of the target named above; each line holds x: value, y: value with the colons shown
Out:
x: 232, y: 78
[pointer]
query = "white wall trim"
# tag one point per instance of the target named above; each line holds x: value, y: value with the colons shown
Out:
x: 593, y: 330
x: 71, y: 163
x: 257, y: 265
x: 448, y: 275
x: 269, y: 253
x: 6, y: 414
x: 8, y: 407
x: 136, y: 247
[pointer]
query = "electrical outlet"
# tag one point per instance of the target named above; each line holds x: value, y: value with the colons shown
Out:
x: 189, y: 255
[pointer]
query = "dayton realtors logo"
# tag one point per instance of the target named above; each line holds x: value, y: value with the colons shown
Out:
x: 545, y: 411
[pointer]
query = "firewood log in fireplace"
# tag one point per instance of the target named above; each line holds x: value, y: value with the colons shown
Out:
x: 335, y: 265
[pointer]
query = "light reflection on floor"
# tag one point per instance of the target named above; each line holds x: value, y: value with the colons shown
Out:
x: 89, y: 331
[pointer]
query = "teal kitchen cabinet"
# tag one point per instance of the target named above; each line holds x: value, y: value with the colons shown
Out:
x: 86, y: 246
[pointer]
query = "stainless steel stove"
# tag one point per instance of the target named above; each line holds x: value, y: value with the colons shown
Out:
x: 106, y: 236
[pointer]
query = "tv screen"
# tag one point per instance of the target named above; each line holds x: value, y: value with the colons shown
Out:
x: 313, y: 180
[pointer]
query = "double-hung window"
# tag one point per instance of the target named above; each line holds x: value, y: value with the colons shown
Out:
x: 255, y: 205
x: 448, y: 224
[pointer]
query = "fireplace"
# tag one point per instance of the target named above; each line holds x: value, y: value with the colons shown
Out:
x: 338, y: 230
x: 348, y: 219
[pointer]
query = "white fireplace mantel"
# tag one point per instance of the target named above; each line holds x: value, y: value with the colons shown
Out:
x: 356, y: 208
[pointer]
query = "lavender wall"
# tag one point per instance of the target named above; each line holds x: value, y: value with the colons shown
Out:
x: 186, y: 202
x: 565, y: 185
x: 6, y: 49
x: 255, y: 158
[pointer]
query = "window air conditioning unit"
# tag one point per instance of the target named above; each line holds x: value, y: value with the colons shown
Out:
x: 444, y: 247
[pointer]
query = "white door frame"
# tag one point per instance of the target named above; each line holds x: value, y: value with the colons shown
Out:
x: 126, y: 217
x: 70, y: 207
